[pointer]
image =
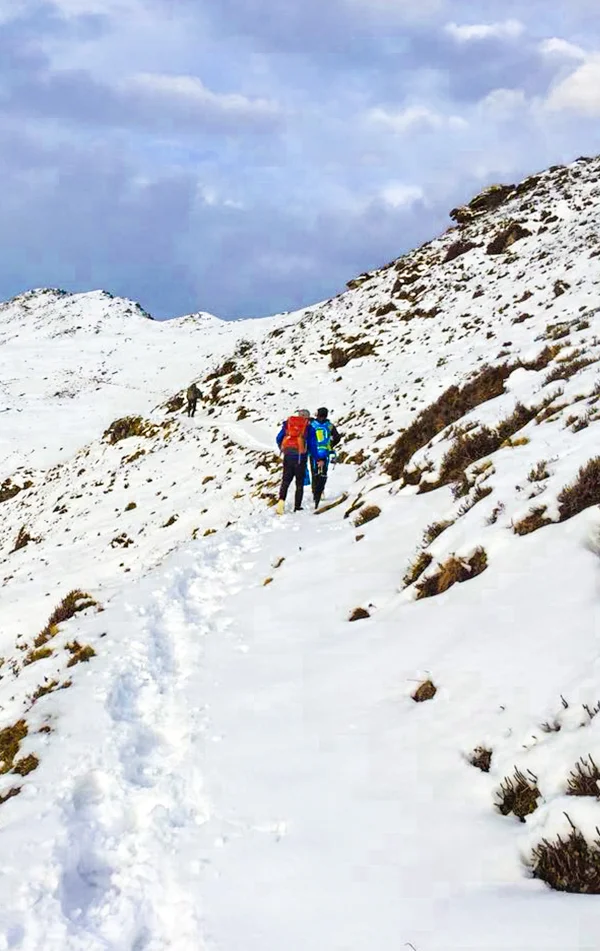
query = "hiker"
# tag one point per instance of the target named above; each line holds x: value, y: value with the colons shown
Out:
x: 296, y: 440
x: 326, y: 439
x: 193, y: 394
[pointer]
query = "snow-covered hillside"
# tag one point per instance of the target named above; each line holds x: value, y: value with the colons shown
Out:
x: 234, y: 763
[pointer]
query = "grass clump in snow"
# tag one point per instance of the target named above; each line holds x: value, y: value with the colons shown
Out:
x: 79, y: 654
x: 583, y: 493
x: 539, y: 472
x: 434, y: 530
x: 482, y: 759
x: 583, y: 779
x: 518, y: 795
x: 453, y: 571
x: 129, y: 426
x: 425, y: 691
x: 535, y: 519
x: 359, y: 614
x: 569, y: 865
x: 74, y: 602
x: 416, y: 569
x: 175, y: 403
x: 34, y: 655
x: 367, y: 514
x: 26, y: 765
x: 23, y: 538
x: 10, y: 743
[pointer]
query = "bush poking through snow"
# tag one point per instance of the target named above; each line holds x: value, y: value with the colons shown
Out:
x: 23, y: 538
x: 454, y: 570
x: 531, y: 522
x: 359, y: 614
x: 511, y: 232
x: 26, y: 765
x: 482, y: 759
x: 74, y: 602
x: 518, y: 795
x: 367, y: 514
x: 425, y: 691
x: 79, y: 654
x: 434, y: 530
x: 10, y: 743
x: 569, y: 865
x: 174, y: 404
x: 419, y: 565
x: 583, y: 493
x: 539, y: 472
x: 129, y: 426
x: 583, y: 779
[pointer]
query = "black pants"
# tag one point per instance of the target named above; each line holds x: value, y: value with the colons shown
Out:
x: 191, y: 407
x: 318, y: 471
x: 294, y: 467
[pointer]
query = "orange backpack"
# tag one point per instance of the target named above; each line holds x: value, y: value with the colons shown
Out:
x: 295, y: 435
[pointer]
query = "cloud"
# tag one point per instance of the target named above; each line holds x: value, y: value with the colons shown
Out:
x: 561, y: 48
x: 413, y: 119
x: 508, y: 29
x: 399, y: 195
x: 579, y: 92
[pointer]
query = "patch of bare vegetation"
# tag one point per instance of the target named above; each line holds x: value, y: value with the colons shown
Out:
x: 129, y: 426
x: 367, y: 514
x: 583, y: 493
x: 416, y: 569
x: 425, y: 691
x: 79, y: 653
x: 569, y: 865
x: 518, y: 795
x: 583, y: 779
x: 359, y: 614
x: 434, y: 530
x: 481, y: 758
x: 535, y: 519
x: 453, y: 571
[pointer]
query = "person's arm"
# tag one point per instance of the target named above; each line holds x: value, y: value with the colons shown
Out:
x: 335, y: 437
x: 280, y: 436
x: 311, y: 442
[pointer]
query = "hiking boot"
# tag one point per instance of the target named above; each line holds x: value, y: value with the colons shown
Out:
x: 280, y: 507
x: 298, y: 508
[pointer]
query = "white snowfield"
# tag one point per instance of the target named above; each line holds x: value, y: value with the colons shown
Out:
x: 211, y: 756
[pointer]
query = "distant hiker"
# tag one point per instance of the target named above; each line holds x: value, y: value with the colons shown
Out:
x: 326, y: 439
x: 296, y: 440
x: 193, y: 394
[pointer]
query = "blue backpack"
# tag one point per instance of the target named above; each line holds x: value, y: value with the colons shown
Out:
x: 322, y: 433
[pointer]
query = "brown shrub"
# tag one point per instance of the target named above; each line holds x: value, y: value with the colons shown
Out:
x: 421, y: 563
x: 129, y: 426
x: 367, y: 514
x: 567, y: 369
x: 482, y: 759
x: 10, y: 743
x: 79, y: 654
x: 506, y: 237
x: 583, y: 493
x: 359, y: 614
x: 226, y: 369
x: 26, y: 765
x: 539, y: 472
x: 457, y: 249
x: 23, y: 538
x: 518, y: 794
x: 425, y: 691
x: 174, y: 404
x: 453, y: 571
x: 73, y: 603
x: 531, y: 522
x: 434, y: 530
x: 339, y: 357
x: 583, y: 779
x: 569, y: 865
x: 9, y: 489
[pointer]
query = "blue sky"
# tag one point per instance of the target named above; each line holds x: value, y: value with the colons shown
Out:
x: 249, y: 156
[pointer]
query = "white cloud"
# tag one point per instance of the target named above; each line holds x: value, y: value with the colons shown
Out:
x: 558, y: 47
x: 579, y: 92
x: 465, y: 33
x: 399, y: 195
x: 414, y: 118
x: 503, y: 103
x: 190, y: 93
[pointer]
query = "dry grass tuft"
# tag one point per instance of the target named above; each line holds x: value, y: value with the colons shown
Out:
x: 453, y: 571
x: 482, y: 759
x: 367, y: 514
x: 74, y: 602
x: 416, y: 569
x: 26, y: 765
x: 518, y: 795
x: 569, y: 865
x: 434, y: 530
x: 583, y: 493
x: 79, y: 654
x: 583, y: 779
x: 129, y: 426
x: 425, y: 691
x: 531, y: 522
x: 10, y: 743
x: 539, y: 472
x: 359, y: 614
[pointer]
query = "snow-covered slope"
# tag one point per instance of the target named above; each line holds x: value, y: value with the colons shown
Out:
x: 235, y: 765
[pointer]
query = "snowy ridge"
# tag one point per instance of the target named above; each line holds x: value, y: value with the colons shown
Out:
x: 236, y: 766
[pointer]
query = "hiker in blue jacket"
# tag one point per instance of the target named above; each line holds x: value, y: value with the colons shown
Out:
x: 296, y: 440
x: 326, y: 439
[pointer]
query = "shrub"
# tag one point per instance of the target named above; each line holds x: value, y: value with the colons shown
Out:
x: 129, y: 426
x: 518, y: 794
x: 175, y: 403
x: 531, y: 522
x: 434, y: 530
x: 539, y: 472
x: 9, y: 489
x: 482, y: 759
x: 26, y: 765
x: 34, y: 655
x: 131, y: 506
x: 457, y: 249
x: 419, y: 565
x: 453, y: 571
x: 80, y: 654
x: 359, y: 614
x: 10, y: 743
x: 226, y: 369
x: 425, y: 691
x: 339, y: 357
x: 569, y: 865
x: 74, y: 602
x: 507, y: 236
x: 567, y: 369
x: 583, y: 493
x: 23, y: 538
x: 583, y: 779
x: 367, y: 514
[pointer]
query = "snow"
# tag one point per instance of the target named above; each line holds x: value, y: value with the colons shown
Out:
x: 238, y: 767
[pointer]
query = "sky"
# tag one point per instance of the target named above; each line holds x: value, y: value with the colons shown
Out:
x: 247, y: 157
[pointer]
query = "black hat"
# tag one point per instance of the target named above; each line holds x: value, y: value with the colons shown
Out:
x: 322, y: 412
